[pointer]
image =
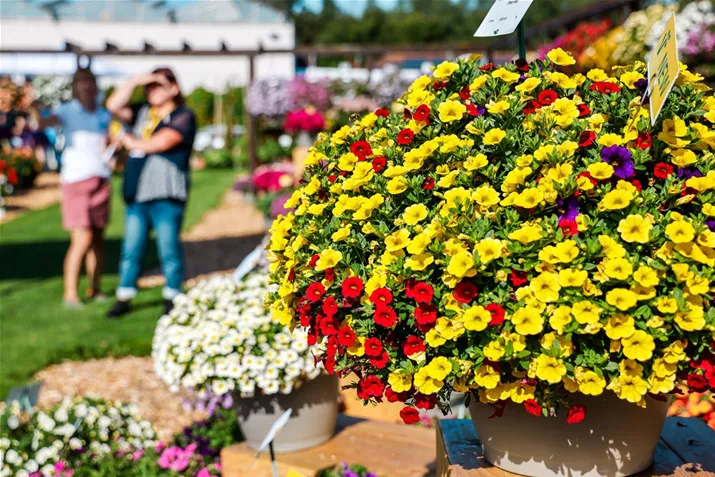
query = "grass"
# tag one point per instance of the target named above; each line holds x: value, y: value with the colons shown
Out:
x: 35, y: 330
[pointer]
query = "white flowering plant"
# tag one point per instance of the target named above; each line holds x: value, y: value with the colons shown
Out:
x: 221, y: 339
x: 38, y: 443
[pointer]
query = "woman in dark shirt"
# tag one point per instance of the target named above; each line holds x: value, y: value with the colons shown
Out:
x: 156, y: 180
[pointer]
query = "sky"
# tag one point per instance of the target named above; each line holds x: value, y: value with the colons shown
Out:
x: 353, y: 7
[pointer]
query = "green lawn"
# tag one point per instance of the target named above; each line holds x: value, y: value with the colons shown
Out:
x: 35, y: 330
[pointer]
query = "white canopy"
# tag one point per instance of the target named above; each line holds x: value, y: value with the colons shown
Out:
x: 58, y: 64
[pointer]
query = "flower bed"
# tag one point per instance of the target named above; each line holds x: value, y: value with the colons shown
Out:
x: 20, y: 167
x: 518, y: 233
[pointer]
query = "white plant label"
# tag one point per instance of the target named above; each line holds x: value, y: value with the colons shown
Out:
x: 503, y: 17
x: 273, y: 431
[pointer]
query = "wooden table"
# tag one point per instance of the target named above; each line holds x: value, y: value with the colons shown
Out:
x: 388, y: 449
x: 686, y: 449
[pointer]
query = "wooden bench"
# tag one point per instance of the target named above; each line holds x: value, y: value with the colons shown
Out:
x: 686, y: 449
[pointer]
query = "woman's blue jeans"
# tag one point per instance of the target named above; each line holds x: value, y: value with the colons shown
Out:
x: 165, y: 217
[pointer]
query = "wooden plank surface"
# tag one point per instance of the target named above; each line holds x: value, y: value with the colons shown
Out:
x: 386, y: 411
x: 686, y: 449
x: 393, y: 450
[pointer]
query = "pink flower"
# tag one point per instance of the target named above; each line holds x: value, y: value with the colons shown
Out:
x: 138, y: 454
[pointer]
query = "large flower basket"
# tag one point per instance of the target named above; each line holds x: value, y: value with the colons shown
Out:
x: 522, y: 235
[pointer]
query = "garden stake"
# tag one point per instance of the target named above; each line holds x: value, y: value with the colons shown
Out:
x: 520, y: 40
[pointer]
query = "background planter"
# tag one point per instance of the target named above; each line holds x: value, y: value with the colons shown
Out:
x: 616, y: 439
x: 315, y: 412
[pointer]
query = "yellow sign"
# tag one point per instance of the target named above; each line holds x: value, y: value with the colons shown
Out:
x: 663, y: 69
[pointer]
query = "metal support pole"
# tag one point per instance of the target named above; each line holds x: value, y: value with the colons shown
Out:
x: 520, y: 40
x: 252, y: 123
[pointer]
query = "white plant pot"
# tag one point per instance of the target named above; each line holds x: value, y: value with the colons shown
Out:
x: 315, y: 412
x: 616, y: 439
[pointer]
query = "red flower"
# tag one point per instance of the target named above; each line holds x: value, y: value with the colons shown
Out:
x: 530, y: 107
x: 428, y: 183
x: 497, y: 312
x: 588, y: 176
x: 12, y: 176
x: 697, y: 383
x: 422, y: 113
x: 410, y: 415
x: 637, y: 184
x: 518, y: 278
x: 605, y: 87
x: 379, y: 164
x: 346, y: 336
x: 329, y: 364
x: 315, y: 292
x: 381, y: 361
x: 329, y: 274
x: 373, y: 347
x: 413, y: 344
x: 487, y: 67
x: 425, y: 402
x: 381, y: 296
x: 405, y: 136
x: 583, y: 110
x: 465, y: 292
x: 407, y: 114
x: 587, y: 138
x: 352, y: 287
x: 392, y: 396
x: 522, y: 65
x: 662, y: 170
x: 370, y: 386
x: 382, y: 113
x: 568, y: 227
x: 425, y: 314
x: 644, y: 140
x: 313, y: 260
x: 330, y: 307
x: 332, y: 177
x: 465, y: 93
x: 547, y: 97
x: 327, y: 326
x: 577, y: 413
x: 422, y: 292
x: 439, y: 85
x: 361, y: 149
x: 532, y: 407
x: 385, y: 316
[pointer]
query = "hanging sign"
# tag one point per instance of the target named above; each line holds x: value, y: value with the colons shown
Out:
x: 663, y: 69
x: 503, y: 17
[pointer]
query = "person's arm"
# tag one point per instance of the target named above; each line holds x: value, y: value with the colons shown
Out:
x: 39, y: 122
x: 162, y: 141
x: 118, y: 102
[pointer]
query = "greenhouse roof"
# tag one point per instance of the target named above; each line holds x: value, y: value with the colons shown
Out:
x: 149, y: 11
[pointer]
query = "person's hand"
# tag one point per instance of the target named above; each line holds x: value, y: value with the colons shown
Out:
x: 144, y: 79
x: 129, y: 142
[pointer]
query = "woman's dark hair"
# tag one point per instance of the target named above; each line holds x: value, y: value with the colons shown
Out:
x: 168, y: 73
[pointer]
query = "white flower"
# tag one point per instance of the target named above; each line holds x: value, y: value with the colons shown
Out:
x: 61, y: 415
x: 45, y: 422
x: 12, y: 457
x: 13, y: 422
x: 75, y: 444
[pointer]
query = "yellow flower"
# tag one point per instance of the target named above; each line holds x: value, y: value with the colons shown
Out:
x: 675, y: 352
x: 476, y: 318
x: 527, y: 321
x: 445, y: 69
x: 527, y: 234
x: 397, y: 185
x: 450, y: 111
x: 505, y: 75
x: 341, y: 234
x: 680, y: 232
x: 565, y: 345
x: 590, y: 383
x: 629, y: 78
x: 585, y: 312
x: 683, y: 157
x: 400, y: 382
x: 600, y: 170
x: 635, y: 228
x: 546, y: 287
x: 347, y: 161
x: 561, y: 80
x: 561, y: 57
x: 439, y: 368
x: 646, y: 276
x: 560, y: 318
x: 419, y: 97
x: 460, y: 264
x: 630, y: 387
x: 639, y: 346
x: 667, y: 305
x: 478, y: 83
x: 414, y: 213
x: 434, y: 339
x: 489, y: 249
x: 528, y: 85
x: 493, y: 137
x: 500, y: 107
x: 418, y: 243
x: 566, y: 111
x: 616, y: 199
x: 397, y: 240
x: 419, y: 262
x: 425, y: 383
x: 328, y: 258
x: 566, y: 251
x: 420, y: 83
x: 486, y: 196
x: 618, y: 268
x: 693, y: 320
x: 494, y: 350
x: 610, y: 139
x: 474, y: 163
x: 620, y: 326
x: 529, y: 198
x: 549, y: 369
x: 570, y: 277
x: 661, y: 385
x: 610, y: 247
x: 673, y: 131
x: 621, y: 298
x: 597, y: 74
x: 487, y: 377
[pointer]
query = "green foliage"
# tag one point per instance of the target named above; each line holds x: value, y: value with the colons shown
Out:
x: 201, y: 102
x: 271, y: 151
x: 213, y: 434
x: 218, y: 158
x: 343, y: 470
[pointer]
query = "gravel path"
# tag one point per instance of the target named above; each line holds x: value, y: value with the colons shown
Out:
x: 44, y: 193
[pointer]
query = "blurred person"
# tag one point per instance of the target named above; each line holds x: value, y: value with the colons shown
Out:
x: 156, y: 180
x: 85, y: 183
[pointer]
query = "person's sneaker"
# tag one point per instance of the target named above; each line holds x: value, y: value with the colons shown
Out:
x: 168, y: 306
x: 120, y: 308
x: 72, y: 304
x: 97, y: 296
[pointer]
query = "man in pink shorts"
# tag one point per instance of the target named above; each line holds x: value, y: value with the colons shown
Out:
x: 85, y: 183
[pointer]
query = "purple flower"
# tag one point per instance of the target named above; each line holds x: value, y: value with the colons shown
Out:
x: 349, y: 473
x: 686, y: 173
x: 641, y: 84
x: 711, y: 224
x: 621, y: 160
x: 570, y: 207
